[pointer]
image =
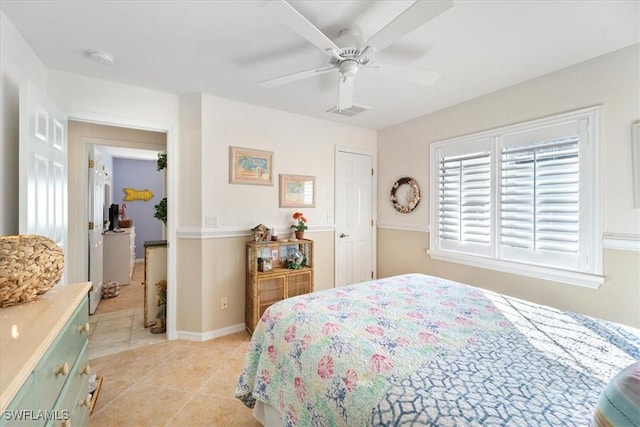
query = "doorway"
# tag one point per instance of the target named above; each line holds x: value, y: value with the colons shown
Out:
x: 118, y: 322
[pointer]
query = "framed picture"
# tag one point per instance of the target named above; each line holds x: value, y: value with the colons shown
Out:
x: 249, y: 166
x: 297, y: 191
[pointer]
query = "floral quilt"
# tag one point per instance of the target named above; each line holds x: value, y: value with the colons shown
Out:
x: 420, y: 350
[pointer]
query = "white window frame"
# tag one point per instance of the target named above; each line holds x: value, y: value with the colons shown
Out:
x: 590, y: 271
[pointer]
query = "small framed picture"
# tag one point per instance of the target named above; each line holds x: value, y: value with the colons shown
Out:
x: 249, y: 166
x: 265, y: 264
x: 297, y: 191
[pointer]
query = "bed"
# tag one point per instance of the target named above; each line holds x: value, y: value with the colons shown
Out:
x: 420, y: 350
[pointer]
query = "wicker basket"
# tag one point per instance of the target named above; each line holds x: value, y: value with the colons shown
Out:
x: 29, y: 267
x: 110, y: 290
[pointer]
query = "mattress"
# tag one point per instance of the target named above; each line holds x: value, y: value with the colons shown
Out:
x: 421, y: 350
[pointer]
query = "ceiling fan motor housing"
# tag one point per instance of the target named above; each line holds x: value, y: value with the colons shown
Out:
x: 349, y: 67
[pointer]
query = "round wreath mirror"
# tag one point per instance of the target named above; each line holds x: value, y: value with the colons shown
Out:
x: 405, y: 195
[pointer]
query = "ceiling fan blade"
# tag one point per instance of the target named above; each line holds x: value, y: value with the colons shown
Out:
x: 407, y: 74
x: 415, y: 16
x: 296, y: 76
x: 290, y: 17
x: 345, y: 93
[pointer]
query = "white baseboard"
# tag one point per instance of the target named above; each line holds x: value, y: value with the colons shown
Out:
x: 206, y: 336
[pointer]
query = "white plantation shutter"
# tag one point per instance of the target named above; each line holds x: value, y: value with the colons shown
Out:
x: 463, y: 218
x: 539, y: 214
x: 523, y: 195
x: 465, y: 199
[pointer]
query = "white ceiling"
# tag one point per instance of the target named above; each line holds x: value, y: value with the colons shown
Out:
x: 225, y: 48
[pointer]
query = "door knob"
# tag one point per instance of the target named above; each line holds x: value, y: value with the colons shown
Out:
x: 342, y: 235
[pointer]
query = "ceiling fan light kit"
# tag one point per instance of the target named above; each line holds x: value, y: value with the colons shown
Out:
x: 353, y: 55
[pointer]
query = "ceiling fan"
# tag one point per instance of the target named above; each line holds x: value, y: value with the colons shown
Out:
x: 355, y: 55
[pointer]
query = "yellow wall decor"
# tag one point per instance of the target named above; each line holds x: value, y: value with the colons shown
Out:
x: 131, y: 195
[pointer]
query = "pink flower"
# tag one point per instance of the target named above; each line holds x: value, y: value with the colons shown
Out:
x: 266, y: 376
x: 306, y: 339
x: 415, y: 315
x: 463, y: 321
x: 334, y: 307
x: 329, y: 328
x: 299, y: 306
x: 271, y: 351
x: 290, y: 333
x: 373, y: 297
x: 265, y: 316
x: 350, y: 379
x: 402, y: 342
x: 301, y: 391
x: 380, y: 363
x: 447, y: 303
x: 375, y: 330
x: 325, y: 367
x: 428, y: 337
x: 291, y: 414
x: 277, y: 316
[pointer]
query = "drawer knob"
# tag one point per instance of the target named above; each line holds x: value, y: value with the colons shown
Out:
x: 86, y: 370
x: 85, y: 328
x: 62, y: 369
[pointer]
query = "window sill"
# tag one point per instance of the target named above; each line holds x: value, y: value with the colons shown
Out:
x: 569, y: 277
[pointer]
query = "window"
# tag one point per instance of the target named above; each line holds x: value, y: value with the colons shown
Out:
x: 522, y: 199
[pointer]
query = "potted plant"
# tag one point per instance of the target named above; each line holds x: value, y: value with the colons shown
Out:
x: 300, y: 225
x: 161, y: 208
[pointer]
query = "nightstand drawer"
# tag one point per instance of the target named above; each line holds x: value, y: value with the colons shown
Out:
x: 56, y: 366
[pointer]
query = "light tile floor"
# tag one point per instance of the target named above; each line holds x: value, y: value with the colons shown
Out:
x: 173, y: 383
x: 119, y: 330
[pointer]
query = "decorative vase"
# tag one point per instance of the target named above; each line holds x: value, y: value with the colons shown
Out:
x: 299, y: 234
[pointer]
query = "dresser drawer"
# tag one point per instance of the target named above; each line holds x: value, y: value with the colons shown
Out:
x: 56, y: 365
x: 73, y: 399
x: 17, y: 413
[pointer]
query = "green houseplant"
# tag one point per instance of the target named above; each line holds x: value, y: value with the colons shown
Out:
x: 161, y: 208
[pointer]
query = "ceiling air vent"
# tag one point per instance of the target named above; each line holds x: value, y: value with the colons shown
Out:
x: 349, y: 112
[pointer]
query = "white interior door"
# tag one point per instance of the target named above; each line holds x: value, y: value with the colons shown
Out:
x: 96, y: 226
x: 43, y: 168
x: 354, y: 217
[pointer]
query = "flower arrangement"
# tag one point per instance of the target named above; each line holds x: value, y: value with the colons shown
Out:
x: 300, y: 225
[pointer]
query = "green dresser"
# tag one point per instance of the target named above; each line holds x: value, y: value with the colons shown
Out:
x: 45, y: 349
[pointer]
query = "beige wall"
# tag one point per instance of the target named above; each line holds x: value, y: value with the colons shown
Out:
x: 211, y: 260
x: 222, y: 275
x: 618, y: 299
x: 612, y: 80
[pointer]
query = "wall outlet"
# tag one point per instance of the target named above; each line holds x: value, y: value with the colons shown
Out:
x: 224, y: 303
